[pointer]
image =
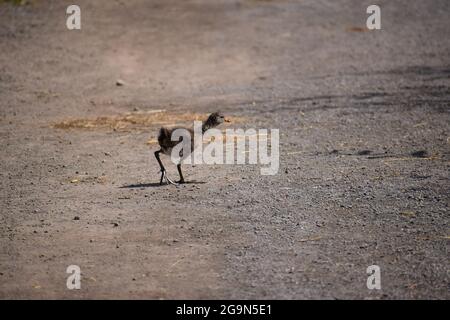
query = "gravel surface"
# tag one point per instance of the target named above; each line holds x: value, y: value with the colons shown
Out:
x: 364, y: 149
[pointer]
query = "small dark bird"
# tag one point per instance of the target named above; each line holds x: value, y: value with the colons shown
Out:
x: 166, y: 143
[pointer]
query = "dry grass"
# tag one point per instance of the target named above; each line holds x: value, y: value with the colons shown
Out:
x: 137, y: 120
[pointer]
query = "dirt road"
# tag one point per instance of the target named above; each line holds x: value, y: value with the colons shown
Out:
x: 364, y: 149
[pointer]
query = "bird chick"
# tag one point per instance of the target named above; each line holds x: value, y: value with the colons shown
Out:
x: 166, y: 143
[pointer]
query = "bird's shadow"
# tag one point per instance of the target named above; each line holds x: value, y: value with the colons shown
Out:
x: 156, y: 184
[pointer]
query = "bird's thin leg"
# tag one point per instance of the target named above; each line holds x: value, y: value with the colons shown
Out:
x: 163, y: 170
x: 181, y: 174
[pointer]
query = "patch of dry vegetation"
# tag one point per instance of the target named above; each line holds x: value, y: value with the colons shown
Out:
x: 137, y: 120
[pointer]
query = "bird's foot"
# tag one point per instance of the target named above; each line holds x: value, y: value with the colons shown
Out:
x: 166, y: 178
x: 181, y: 181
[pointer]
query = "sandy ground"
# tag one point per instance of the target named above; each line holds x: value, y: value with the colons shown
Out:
x: 364, y: 149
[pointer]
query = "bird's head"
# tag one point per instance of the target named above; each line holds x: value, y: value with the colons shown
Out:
x: 215, y: 119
